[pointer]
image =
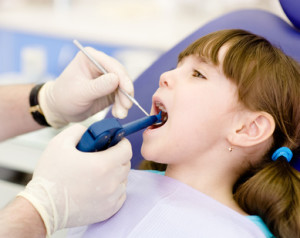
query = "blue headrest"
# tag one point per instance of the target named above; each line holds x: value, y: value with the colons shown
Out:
x: 263, y: 23
x: 292, y: 11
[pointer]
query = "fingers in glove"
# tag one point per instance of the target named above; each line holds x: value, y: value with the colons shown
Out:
x: 124, y: 100
x: 117, y: 205
x: 102, y: 86
x: 118, y: 110
x: 120, y: 190
x: 111, y: 65
x: 70, y: 135
x: 124, y: 171
x: 120, y: 153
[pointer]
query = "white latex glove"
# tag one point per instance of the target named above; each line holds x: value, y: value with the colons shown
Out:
x: 80, y: 91
x: 72, y: 188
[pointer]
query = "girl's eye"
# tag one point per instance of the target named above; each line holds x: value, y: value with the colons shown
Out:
x: 197, y: 74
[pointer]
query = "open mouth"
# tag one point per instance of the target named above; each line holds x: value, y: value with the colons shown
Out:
x: 158, y: 106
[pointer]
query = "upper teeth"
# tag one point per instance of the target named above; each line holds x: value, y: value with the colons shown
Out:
x: 160, y: 106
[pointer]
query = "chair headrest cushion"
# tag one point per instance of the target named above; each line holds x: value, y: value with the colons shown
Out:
x: 292, y: 10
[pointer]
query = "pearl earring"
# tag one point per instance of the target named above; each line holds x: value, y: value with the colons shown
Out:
x: 230, y: 149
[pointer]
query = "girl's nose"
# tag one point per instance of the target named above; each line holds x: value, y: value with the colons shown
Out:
x: 165, y: 80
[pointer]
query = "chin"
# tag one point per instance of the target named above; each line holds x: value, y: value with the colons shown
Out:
x: 149, y: 153
x: 145, y: 152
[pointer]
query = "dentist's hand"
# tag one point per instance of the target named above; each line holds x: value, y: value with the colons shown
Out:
x: 72, y: 188
x: 81, y: 90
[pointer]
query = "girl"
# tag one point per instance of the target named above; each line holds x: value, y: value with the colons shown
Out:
x: 231, y: 128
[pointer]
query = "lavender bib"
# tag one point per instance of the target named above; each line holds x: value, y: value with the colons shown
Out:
x: 159, y: 206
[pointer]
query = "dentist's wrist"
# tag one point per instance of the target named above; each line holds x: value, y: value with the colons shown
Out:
x: 20, y: 219
x: 49, y: 106
x: 35, y: 108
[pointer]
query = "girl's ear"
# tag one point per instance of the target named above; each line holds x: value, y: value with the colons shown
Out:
x: 253, y: 129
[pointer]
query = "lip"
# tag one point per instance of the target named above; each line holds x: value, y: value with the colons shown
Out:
x: 155, y: 110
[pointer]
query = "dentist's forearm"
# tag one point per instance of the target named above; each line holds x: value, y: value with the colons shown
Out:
x: 20, y: 220
x: 15, y: 118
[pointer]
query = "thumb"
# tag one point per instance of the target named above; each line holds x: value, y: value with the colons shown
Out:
x: 102, y: 86
x: 120, y: 153
x: 71, y: 134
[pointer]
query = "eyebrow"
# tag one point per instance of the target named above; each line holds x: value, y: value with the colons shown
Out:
x: 201, y: 58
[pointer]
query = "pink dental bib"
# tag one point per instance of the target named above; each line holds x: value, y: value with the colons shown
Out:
x: 159, y: 206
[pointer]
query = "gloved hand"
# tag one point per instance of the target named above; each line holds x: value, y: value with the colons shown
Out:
x: 81, y: 90
x: 72, y: 188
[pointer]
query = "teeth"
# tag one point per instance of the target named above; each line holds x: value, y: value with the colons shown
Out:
x: 160, y: 106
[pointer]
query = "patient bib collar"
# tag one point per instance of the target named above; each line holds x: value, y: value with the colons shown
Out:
x: 159, y: 206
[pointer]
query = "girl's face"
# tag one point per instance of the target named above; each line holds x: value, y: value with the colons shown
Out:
x: 200, y: 103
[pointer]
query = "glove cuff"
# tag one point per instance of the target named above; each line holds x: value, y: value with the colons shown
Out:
x: 47, y: 103
x: 39, y: 192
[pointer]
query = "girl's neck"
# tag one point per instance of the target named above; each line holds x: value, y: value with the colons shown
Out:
x: 210, y: 181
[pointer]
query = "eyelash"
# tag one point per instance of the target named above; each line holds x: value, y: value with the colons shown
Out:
x: 196, y: 73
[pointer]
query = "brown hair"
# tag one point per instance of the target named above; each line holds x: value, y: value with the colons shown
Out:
x: 269, y: 81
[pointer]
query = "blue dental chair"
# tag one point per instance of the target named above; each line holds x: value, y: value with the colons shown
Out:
x: 279, y: 32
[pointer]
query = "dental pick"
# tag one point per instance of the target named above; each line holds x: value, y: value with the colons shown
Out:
x: 76, y: 42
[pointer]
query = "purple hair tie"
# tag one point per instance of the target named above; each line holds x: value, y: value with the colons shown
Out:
x: 283, y: 151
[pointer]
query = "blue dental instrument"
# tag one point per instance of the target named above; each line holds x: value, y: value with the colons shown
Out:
x: 108, y: 132
x: 105, y: 72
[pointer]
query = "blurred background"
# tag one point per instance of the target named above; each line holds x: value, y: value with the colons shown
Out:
x: 36, y: 44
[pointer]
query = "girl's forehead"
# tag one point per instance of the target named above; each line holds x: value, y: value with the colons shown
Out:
x: 200, y: 58
x: 201, y: 61
x: 193, y: 58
